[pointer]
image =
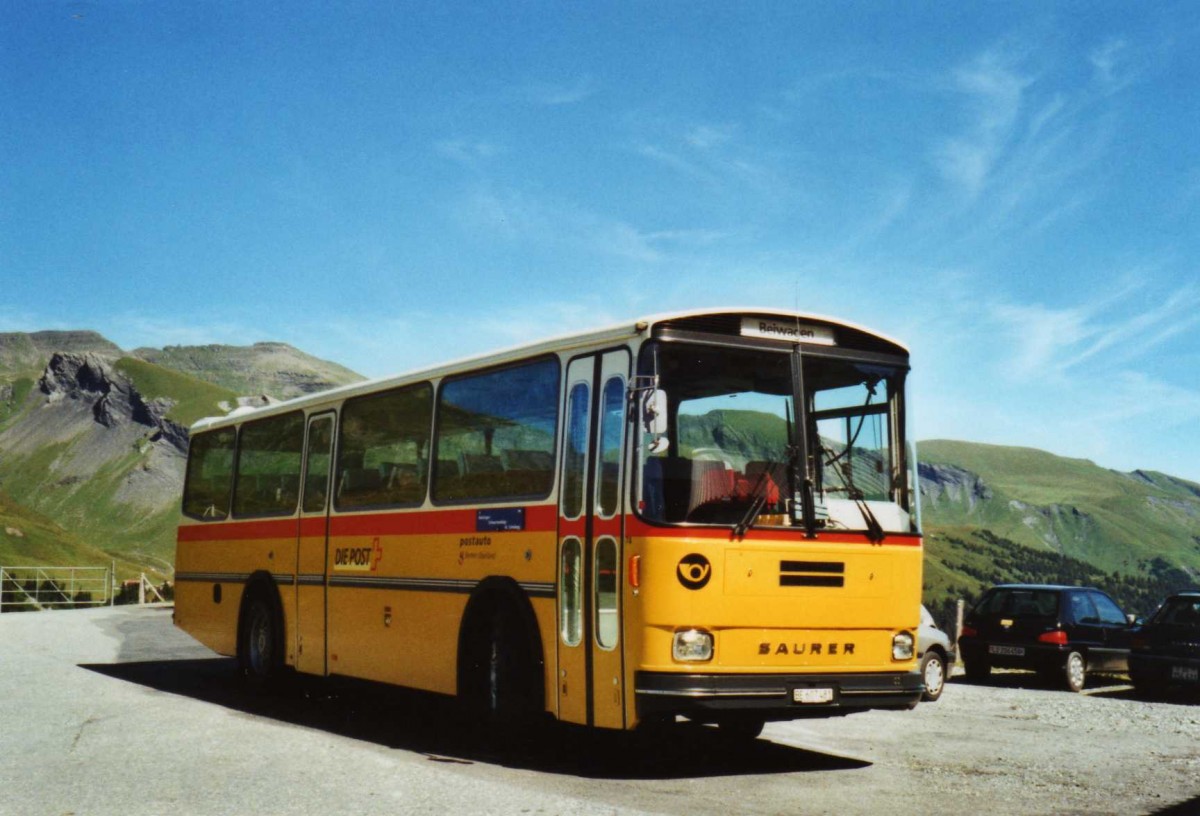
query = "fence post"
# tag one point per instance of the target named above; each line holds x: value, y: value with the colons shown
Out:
x: 112, y: 584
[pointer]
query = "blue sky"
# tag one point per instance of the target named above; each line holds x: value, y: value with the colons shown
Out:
x: 1012, y: 189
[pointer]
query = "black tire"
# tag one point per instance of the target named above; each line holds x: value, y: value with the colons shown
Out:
x: 741, y: 728
x: 933, y: 673
x: 1074, y: 672
x: 260, y: 647
x: 1148, y: 687
x: 977, y: 671
x: 500, y: 684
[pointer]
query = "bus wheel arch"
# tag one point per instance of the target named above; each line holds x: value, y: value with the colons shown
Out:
x: 501, y: 664
x: 260, y: 636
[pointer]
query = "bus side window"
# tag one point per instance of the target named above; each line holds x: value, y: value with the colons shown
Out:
x: 209, y: 482
x: 268, y: 462
x: 384, y: 446
x: 495, y: 434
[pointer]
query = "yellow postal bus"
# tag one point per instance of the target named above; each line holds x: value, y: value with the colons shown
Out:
x: 708, y: 514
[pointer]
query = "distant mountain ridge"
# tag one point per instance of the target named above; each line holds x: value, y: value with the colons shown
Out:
x: 93, y: 439
x: 994, y: 513
x: 274, y: 369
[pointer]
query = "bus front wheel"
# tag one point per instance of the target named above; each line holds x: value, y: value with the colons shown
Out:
x: 501, y: 680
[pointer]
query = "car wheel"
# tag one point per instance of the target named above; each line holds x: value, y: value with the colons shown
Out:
x: 933, y: 672
x: 1075, y: 672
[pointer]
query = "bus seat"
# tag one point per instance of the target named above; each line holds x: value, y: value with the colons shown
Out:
x: 288, y: 489
x: 359, y: 480
x: 534, y: 460
x: 479, y: 463
x: 400, y: 474
x: 652, y: 488
x: 776, y: 477
x: 710, y: 481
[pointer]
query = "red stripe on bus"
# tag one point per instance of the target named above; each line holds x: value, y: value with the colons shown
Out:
x: 641, y: 529
x: 539, y: 518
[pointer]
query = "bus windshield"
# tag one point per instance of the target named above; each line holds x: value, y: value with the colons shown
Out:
x: 730, y: 453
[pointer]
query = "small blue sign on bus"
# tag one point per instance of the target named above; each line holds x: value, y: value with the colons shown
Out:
x: 500, y: 519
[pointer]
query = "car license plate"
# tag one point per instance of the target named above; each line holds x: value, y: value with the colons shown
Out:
x: 1190, y: 673
x: 812, y: 695
x: 1011, y: 651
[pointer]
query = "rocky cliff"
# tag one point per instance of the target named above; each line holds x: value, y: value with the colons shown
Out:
x: 90, y: 451
x: 22, y: 352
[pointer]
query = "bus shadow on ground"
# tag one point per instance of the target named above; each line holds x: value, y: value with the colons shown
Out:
x: 434, y: 725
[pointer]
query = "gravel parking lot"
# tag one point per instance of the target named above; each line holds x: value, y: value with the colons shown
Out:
x: 116, y: 711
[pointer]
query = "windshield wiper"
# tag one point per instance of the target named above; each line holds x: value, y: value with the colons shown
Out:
x: 759, y: 496
x: 875, y: 532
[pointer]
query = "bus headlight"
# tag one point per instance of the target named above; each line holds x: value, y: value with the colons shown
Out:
x: 902, y: 646
x: 692, y: 646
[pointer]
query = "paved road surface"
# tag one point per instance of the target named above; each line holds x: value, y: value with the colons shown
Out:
x: 114, y: 711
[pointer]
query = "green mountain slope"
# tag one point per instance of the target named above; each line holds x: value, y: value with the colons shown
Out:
x: 191, y: 398
x: 86, y: 447
x: 1069, y: 506
x: 994, y: 514
x: 275, y: 369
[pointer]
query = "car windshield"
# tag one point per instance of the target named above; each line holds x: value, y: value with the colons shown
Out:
x: 727, y: 451
x: 1019, y: 603
x: 1180, y: 612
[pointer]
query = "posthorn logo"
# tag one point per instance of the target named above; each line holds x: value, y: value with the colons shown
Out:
x: 694, y: 571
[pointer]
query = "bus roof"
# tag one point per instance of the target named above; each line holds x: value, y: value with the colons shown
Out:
x: 614, y: 333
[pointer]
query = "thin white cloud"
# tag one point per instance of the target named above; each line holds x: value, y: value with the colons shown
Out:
x: 465, y: 151
x: 557, y: 94
x: 994, y: 91
x: 1110, y: 330
x: 676, y: 161
x: 1110, y: 64
x: 517, y: 217
x: 706, y: 137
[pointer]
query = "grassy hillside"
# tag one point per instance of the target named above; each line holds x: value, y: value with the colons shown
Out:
x: 28, y: 538
x: 963, y: 563
x: 1069, y: 506
x: 194, y: 398
x: 274, y: 369
x: 98, y: 524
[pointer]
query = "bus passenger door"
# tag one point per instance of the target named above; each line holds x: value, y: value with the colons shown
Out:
x: 590, y: 685
x: 312, y: 548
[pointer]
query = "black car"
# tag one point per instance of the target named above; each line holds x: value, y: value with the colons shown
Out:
x: 1061, y: 632
x: 1166, y: 650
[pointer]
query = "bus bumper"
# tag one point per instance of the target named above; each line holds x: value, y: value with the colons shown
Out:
x: 772, y: 696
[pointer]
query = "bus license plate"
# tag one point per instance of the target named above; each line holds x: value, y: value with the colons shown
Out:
x: 1190, y: 673
x: 812, y: 695
x: 1011, y: 651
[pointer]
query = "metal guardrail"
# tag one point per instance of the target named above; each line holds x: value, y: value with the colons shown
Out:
x: 55, y: 587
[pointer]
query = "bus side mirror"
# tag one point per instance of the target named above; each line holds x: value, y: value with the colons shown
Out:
x: 654, y: 412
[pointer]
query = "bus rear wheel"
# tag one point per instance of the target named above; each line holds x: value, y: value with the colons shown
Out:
x: 259, y: 653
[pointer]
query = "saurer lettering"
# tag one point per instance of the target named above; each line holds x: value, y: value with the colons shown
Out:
x: 830, y: 649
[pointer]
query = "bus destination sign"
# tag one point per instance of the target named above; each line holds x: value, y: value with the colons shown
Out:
x: 793, y: 332
x: 500, y: 519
